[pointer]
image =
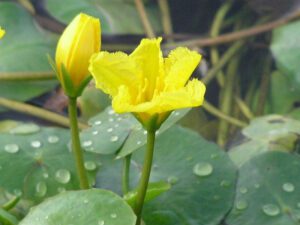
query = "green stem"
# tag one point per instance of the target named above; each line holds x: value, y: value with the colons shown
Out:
x: 38, y: 112
x: 126, y: 174
x: 11, y: 203
x: 144, y: 19
x: 226, y: 101
x: 76, y: 147
x: 222, y: 62
x: 216, y: 112
x: 215, y: 31
x: 26, y: 76
x: 142, y: 188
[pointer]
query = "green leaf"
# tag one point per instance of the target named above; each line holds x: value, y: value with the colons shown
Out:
x: 286, y: 50
x: 282, y: 101
x: 7, y: 219
x: 112, y: 13
x: 201, y: 174
x: 23, y: 48
x: 153, y: 190
x: 90, y: 207
x: 267, y: 133
x: 38, y: 164
x: 111, y: 132
x: 268, y: 191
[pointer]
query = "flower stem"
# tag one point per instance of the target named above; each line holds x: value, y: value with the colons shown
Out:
x: 126, y: 174
x: 76, y: 147
x: 142, y: 188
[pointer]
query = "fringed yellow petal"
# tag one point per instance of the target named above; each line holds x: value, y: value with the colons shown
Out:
x: 2, y: 32
x: 148, y: 57
x: 192, y: 95
x: 112, y: 70
x: 179, y: 66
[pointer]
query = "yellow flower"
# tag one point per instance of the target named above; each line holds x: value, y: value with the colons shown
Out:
x: 147, y: 84
x: 2, y: 32
x: 78, y: 42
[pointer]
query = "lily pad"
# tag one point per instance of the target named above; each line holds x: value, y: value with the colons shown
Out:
x: 267, y: 133
x: 111, y: 132
x: 40, y: 164
x: 268, y: 191
x: 92, y: 207
x: 24, y: 48
x: 201, y: 175
x: 112, y: 13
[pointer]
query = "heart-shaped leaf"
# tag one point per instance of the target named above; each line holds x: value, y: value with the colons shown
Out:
x: 90, y: 207
x: 39, y: 163
x: 268, y: 191
x: 201, y: 175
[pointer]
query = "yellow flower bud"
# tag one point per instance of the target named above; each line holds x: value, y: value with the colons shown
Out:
x: 78, y: 42
x: 2, y: 32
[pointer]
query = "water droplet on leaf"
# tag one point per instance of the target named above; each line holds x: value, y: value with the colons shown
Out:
x: 243, y: 190
x: 172, y: 180
x: 288, y: 187
x: 11, y: 148
x: 41, y: 189
x: 90, y: 165
x: 241, y: 204
x: 203, y: 169
x: 29, y: 128
x: 114, y: 138
x: 36, y: 144
x: 53, y: 139
x: 271, y: 210
x: 63, y: 176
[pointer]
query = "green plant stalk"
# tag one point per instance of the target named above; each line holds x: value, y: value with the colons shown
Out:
x: 215, y: 31
x: 126, y: 174
x: 76, y: 147
x: 142, y: 188
x: 38, y: 112
x: 222, y: 62
x: 216, y: 112
x: 226, y: 101
x: 11, y: 203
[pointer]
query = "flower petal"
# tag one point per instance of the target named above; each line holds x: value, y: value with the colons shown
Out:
x: 2, y: 32
x: 179, y: 66
x: 112, y: 70
x: 148, y: 57
x: 191, y: 95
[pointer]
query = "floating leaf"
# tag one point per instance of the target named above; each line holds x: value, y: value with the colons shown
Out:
x: 93, y: 207
x: 39, y: 164
x: 272, y: 132
x: 268, y: 191
x: 201, y: 175
x: 23, y: 48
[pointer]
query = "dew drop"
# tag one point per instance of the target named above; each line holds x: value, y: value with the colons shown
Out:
x: 61, y: 189
x: 90, y: 165
x: 257, y: 185
x: 113, y: 215
x: 116, y: 125
x: 176, y: 113
x: 243, y: 190
x: 101, y: 222
x: 36, y: 144
x: 85, y: 201
x: 98, y: 122
x: 111, y: 120
x: 63, y: 176
x: 111, y: 112
x: 29, y: 128
x: 288, y: 187
x: 119, y: 119
x: 216, y: 197
x: 172, y: 180
x: 109, y: 130
x: 95, y: 132
x: 225, y: 183
x: 114, y: 138
x: 53, y: 139
x: 203, y: 169
x: 271, y: 210
x: 298, y: 204
x: 45, y: 175
x: 138, y: 142
x: 241, y: 204
x: 214, y: 156
x: 87, y: 143
x: 18, y: 192
x: 11, y: 148
x: 41, y: 189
